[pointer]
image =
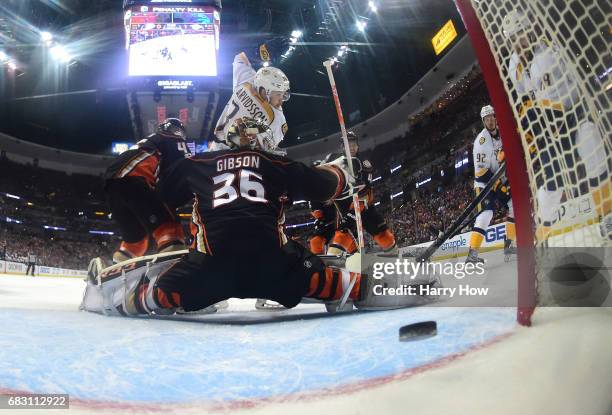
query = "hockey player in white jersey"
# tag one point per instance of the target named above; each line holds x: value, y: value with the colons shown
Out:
x: 488, y: 155
x: 561, y: 131
x: 256, y: 94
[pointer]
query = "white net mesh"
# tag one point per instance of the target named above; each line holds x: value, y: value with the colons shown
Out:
x: 554, y: 59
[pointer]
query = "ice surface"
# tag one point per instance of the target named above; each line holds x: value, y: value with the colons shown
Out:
x: 245, y: 358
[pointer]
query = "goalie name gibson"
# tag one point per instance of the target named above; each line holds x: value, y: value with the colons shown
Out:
x: 426, y: 290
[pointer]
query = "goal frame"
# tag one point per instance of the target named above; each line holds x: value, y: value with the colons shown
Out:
x: 516, y: 167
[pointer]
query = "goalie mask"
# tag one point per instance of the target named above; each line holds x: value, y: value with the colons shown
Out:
x: 250, y: 133
x: 172, y: 127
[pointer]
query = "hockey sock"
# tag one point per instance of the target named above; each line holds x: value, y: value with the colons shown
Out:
x: 317, y: 245
x: 134, y: 249
x: 385, y: 240
x: 476, y: 238
x: 602, y: 196
x: 511, y: 230
x: 342, y: 241
x: 331, y: 283
x: 168, y: 233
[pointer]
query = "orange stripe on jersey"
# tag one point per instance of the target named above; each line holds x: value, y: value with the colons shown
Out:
x: 336, y: 171
x: 201, y: 240
x: 145, y: 166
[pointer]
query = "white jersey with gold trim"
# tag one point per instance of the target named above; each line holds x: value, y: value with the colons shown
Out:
x: 546, y: 78
x: 486, y: 149
x: 246, y: 102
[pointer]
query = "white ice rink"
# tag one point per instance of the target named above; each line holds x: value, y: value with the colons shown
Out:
x: 304, y: 361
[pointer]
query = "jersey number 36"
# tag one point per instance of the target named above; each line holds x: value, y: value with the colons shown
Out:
x: 245, y: 182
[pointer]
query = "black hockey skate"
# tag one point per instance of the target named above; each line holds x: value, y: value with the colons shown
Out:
x: 473, y: 258
x: 509, y: 250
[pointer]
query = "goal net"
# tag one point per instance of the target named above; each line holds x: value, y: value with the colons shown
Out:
x: 547, y: 65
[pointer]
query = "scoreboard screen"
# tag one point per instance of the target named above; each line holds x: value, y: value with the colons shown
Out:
x: 172, y: 40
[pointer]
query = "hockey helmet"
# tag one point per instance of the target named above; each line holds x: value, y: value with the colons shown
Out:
x: 172, y: 127
x: 350, y: 136
x: 486, y: 110
x: 515, y: 22
x: 272, y: 80
x: 250, y: 133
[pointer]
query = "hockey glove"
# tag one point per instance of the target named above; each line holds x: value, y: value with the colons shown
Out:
x: 269, y: 50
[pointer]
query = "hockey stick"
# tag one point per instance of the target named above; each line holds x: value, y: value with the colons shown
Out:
x: 328, y: 65
x: 465, y: 215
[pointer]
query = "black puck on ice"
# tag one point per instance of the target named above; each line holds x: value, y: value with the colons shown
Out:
x: 418, y: 331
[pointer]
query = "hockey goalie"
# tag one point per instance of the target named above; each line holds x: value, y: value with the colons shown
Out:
x: 239, y: 248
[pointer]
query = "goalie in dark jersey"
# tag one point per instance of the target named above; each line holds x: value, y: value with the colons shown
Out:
x: 239, y: 248
x: 335, y: 224
x: 130, y: 193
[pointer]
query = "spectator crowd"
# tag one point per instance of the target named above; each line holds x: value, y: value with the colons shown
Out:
x: 50, y: 214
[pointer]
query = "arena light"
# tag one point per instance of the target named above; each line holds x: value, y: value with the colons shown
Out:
x: 393, y: 196
x: 266, y: 64
x: 424, y: 182
x: 101, y: 232
x: 361, y: 25
x: 396, y: 168
x: 372, y: 6
x: 11, y: 220
x: 54, y: 228
x: 59, y: 53
x: 376, y: 179
x: 297, y: 202
x: 46, y: 37
x: 296, y: 34
x: 299, y: 225
x: 12, y: 196
x: 377, y: 203
x: 12, y: 65
x: 3, y: 56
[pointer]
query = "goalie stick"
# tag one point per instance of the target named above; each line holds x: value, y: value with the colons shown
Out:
x: 464, y: 217
x: 328, y: 65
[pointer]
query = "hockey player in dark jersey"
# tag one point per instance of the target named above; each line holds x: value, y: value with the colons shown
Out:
x: 130, y: 193
x: 239, y: 248
x: 335, y: 223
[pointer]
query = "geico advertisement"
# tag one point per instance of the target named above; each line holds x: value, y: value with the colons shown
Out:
x: 494, y: 236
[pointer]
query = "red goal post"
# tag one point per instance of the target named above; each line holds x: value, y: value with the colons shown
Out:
x: 516, y: 168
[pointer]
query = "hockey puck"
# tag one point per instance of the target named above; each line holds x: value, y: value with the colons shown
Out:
x: 418, y: 331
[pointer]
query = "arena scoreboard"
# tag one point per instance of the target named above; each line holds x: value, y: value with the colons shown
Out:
x: 172, y: 39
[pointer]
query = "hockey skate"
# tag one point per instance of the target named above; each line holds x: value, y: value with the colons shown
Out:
x: 509, y: 250
x: 605, y: 227
x: 211, y: 309
x: 473, y: 258
x: 268, y: 305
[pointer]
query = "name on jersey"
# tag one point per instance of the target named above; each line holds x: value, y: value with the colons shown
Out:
x: 249, y: 104
x: 237, y: 162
